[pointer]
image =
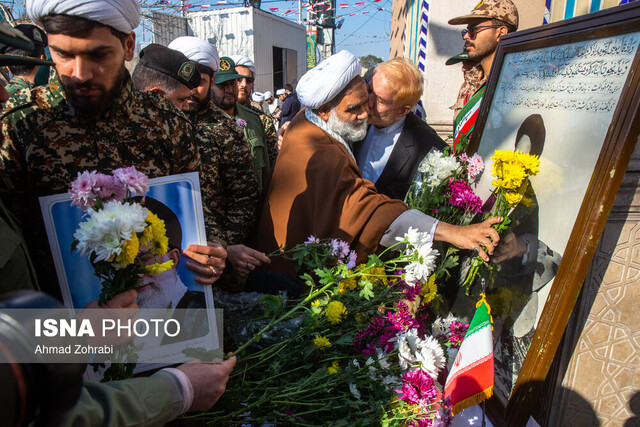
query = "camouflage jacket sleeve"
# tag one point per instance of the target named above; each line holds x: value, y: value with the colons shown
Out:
x: 271, y: 137
x: 231, y: 191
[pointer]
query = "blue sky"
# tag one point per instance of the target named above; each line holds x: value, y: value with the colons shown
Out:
x: 362, y: 33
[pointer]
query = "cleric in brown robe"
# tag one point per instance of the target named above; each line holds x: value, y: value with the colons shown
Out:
x: 317, y: 189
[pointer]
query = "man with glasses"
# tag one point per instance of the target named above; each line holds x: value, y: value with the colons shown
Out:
x: 486, y: 24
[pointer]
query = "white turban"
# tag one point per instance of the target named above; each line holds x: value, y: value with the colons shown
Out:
x: 257, y: 97
x: 280, y: 92
x: 245, y: 62
x: 322, y: 83
x: 198, y: 50
x: 123, y: 15
x: 267, y: 95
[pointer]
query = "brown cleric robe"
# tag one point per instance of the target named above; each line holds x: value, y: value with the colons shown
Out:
x: 317, y: 189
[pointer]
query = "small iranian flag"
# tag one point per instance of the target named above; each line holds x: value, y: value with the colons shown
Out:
x: 471, y: 378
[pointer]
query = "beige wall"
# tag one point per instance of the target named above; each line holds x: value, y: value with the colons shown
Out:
x: 442, y: 82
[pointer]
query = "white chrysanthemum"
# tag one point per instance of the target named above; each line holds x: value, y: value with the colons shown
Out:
x: 438, y: 168
x: 104, y: 231
x: 383, y: 359
x: 430, y: 356
x: 443, y: 326
x: 413, y: 350
x: 354, y: 391
x: 421, y: 249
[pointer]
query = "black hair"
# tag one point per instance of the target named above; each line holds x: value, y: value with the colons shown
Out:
x: 75, y: 26
x: 21, y: 70
x: 205, y: 69
x: 144, y: 78
x: 288, y: 87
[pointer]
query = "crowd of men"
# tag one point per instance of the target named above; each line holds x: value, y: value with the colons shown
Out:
x: 347, y: 154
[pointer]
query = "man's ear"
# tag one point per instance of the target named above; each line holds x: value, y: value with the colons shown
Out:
x: 403, y: 111
x: 157, y: 89
x: 324, y: 111
x: 129, y: 46
x: 174, y: 254
x: 502, y: 31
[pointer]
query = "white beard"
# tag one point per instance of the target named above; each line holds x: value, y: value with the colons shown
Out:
x: 347, y: 130
x: 162, y: 290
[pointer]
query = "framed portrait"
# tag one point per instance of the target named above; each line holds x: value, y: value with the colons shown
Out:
x: 173, y: 294
x: 570, y: 93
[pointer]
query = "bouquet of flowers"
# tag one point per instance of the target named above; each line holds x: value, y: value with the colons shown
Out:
x: 119, y: 235
x: 442, y: 187
x: 511, y: 171
x: 362, y: 346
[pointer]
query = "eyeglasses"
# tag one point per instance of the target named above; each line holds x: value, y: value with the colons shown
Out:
x: 473, y: 31
x: 248, y: 79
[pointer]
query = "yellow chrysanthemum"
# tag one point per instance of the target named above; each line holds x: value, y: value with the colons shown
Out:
x: 376, y: 275
x: 530, y: 162
x: 159, y: 267
x: 334, y: 368
x: 321, y: 343
x: 429, y: 290
x: 347, y: 285
x: 316, y: 303
x: 154, y: 235
x: 512, y: 198
x: 130, y: 250
x: 335, y: 312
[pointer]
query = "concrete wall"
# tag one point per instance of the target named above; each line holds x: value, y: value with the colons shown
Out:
x: 253, y: 33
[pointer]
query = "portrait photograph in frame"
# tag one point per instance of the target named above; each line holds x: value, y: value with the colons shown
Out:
x: 176, y: 200
x: 569, y: 92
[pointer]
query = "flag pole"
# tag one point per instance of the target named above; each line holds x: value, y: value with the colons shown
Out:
x: 484, y: 402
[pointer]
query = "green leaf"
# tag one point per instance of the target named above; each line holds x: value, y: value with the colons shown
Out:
x: 367, y: 290
x: 272, y: 304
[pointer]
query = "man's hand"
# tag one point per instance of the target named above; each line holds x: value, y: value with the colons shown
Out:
x: 209, y: 380
x: 125, y: 302
x: 244, y: 259
x: 210, y: 261
x: 510, y: 246
x: 472, y: 236
x: 126, y: 299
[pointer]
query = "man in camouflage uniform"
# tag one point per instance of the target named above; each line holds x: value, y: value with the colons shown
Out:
x: 230, y: 153
x: 227, y: 190
x: 91, y: 117
x: 225, y: 97
x: 231, y: 192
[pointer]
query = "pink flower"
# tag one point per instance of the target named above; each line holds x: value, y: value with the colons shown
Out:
x: 109, y: 188
x: 418, y: 388
x: 136, y: 182
x: 475, y: 166
x: 81, y: 190
x: 459, y: 194
x: 241, y: 123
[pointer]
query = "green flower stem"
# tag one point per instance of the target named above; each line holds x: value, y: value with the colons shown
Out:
x: 274, y: 322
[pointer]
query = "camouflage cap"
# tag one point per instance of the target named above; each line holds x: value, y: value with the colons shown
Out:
x: 504, y: 10
x: 462, y: 56
x: 172, y: 63
x: 226, y: 71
